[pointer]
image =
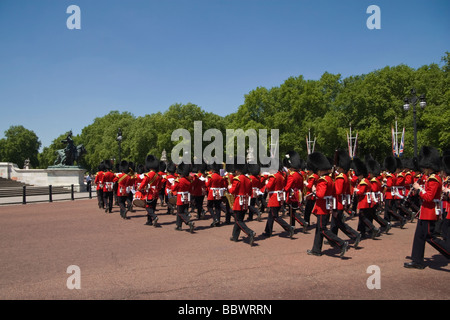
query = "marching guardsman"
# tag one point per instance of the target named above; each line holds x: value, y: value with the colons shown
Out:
x: 363, y: 192
x: 227, y: 179
x: 162, y: 174
x: 99, y: 184
x: 275, y: 188
x: 108, y: 186
x: 241, y: 189
x: 254, y: 170
x: 445, y: 231
x: 294, y: 187
x: 390, y: 165
x: 342, y: 193
x: 198, y: 188
x: 123, y: 180
x: 324, y: 204
x: 310, y: 199
x: 374, y: 170
x: 401, y: 190
x: 182, y: 186
x: 150, y: 187
x: 170, y: 179
x: 430, y: 210
x: 214, y: 185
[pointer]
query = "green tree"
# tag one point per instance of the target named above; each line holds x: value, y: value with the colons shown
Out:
x: 18, y: 145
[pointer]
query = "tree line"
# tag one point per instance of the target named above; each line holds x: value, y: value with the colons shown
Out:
x: 326, y: 108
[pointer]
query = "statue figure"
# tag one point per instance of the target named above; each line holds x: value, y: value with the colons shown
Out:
x: 71, y: 153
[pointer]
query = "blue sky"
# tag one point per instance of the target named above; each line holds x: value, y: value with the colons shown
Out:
x: 142, y: 56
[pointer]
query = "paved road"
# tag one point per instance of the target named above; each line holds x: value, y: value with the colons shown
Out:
x: 125, y: 259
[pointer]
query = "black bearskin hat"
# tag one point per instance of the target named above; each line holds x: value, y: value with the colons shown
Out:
x: 390, y: 164
x: 342, y: 159
x: 123, y: 166
x: 151, y: 163
x: 360, y: 167
x: 292, y: 160
x: 429, y: 158
x: 183, y: 169
x: 317, y: 161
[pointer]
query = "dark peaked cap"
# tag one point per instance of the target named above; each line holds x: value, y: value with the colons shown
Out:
x: 429, y: 158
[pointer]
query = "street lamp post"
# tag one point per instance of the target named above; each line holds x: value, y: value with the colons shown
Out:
x: 413, y: 99
x: 119, y: 141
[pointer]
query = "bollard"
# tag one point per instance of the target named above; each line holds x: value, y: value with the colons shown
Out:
x: 71, y: 192
x: 24, y: 195
x: 50, y: 198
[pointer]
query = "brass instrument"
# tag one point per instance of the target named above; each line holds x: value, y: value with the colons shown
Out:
x: 230, y: 198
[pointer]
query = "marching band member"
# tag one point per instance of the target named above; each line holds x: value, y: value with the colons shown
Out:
x: 363, y: 193
x: 99, y: 184
x: 214, y: 183
x: 275, y: 187
x: 430, y: 210
x: 254, y: 171
x: 123, y: 180
x: 323, y: 206
x: 150, y: 187
x: 294, y: 187
x: 241, y: 189
x: 108, y: 186
x: 342, y: 193
x: 182, y: 186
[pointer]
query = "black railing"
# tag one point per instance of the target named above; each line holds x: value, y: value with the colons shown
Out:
x: 28, y: 194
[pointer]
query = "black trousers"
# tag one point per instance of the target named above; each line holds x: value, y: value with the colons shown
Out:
x: 274, y: 216
x: 252, y: 209
x: 365, y: 221
x: 150, y: 208
x: 101, y: 203
x: 295, y: 216
x: 198, y: 203
x: 108, y: 200
x: 123, y: 206
x: 239, y: 225
x: 322, y: 231
x: 214, y: 208
x: 309, y: 205
x: 338, y: 223
x: 182, y: 215
x: 425, y: 233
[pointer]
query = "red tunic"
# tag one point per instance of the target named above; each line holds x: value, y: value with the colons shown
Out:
x: 430, y: 196
x: 364, y: 194
x: 294, y: 185
x: 214, y: 184
x: 150, y: 185
x: 275, y: 186
x: 241, y: 188
x: 182, y: 187
x: 324, y: 196
x: 342, y: 190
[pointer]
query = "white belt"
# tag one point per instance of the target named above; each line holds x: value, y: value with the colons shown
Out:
x: 281, y: 195
x: 330, y: 202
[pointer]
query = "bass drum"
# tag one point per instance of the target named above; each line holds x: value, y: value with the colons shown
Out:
x: 139, y: 200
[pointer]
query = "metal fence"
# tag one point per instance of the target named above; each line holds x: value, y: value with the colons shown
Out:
x: 29, y: 194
